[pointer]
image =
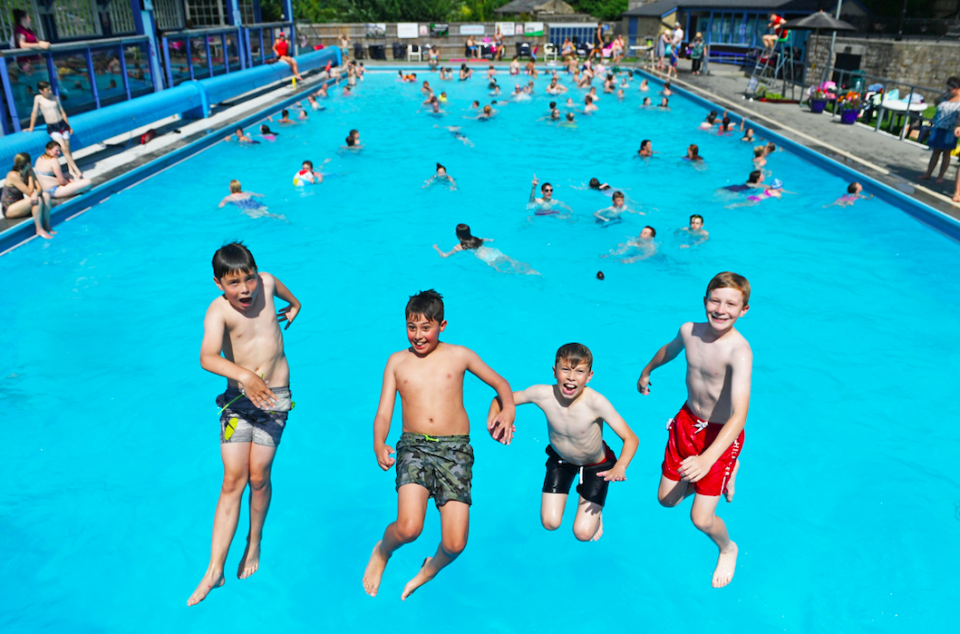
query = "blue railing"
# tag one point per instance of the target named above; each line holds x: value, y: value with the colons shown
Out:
x: 85, y: 75
x: 260, y: 37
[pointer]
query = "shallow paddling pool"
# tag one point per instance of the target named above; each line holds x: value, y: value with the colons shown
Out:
x: 848, y: 505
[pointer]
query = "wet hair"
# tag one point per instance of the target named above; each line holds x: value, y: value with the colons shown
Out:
x: 265, y: 129
x: 426, y: 304
x: 488, y: 109
x: 351, y: 141
x: 574, y: 354
x: 588, y: 99
x: 232, y: 258
x: 772, y: 146
x: 644, y: 143
x: 664, y: 103
x: 42, y: 85
x: 594, y: 183
x: 755, y: 176
x: 693, y: 148
x: 647, y: 101
x: 712, y: 116
x: 758, y: 150
x: 553, y: 104
x: 235, y: 186
x: 441, y: 167
x: 240, y: 130
x: 467, y: 239
x: 653, y: 232
x: 546, y: 185
x: 851, y: 188
x: 476, y: 104
x: 696, y: 217
x: 617, y: 194
x: 309, y: 163
x: 569, y: 116
x: 730, y: 280
x: 285, y: 112
x: 463, y: 66
x: 20, y: 161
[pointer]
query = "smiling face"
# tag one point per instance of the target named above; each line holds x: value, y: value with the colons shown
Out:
x: 240, y: 288
x: 724, y: 307
x: 571, y: 379
x: 696, y: 224
x: 547, y: 191
x: 424, y: 334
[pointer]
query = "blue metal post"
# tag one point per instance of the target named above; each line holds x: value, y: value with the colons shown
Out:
x: 123, y: 71
x: 245, y: 42
x: 143, y: 22
x: 206, y: 43
x: 186, y: 43
x: 226, y: 57
x: 263, y: 59
x: 166, y: 60
x: 11, y: 104
x: 52, y: 71
x: 93, y: 78
x: 235, y: 18
x: 288, y: 17
x: 710, y: 30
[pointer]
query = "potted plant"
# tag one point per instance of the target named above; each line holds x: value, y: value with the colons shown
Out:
x: 820, y: 95
x: 849, y: 108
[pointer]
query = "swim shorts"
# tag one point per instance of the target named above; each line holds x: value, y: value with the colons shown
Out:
x: 592, y: 488
x: 58, y: 129
x: 443, y: 465
x: 242, y: 421
x: 690, y: 436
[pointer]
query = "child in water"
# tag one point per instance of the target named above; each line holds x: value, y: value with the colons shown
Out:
x: 493, y: 257
x: 611, y: 215
x: 643, y: 245
x: 239, y: 135
x: 247, y: 203
x: 307, y: 175
x: 267, y: 133
x: 693, y: 154
x: 441, y: 177
x: 694, y: 231
x: 434, y: 456
x: 575, y: 417
x: 706, y: 436
x: 853, y: 195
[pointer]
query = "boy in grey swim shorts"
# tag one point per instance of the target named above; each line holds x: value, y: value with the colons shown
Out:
x: 242, y: 341
x: 434, y: 456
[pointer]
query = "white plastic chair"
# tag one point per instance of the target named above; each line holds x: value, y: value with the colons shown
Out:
x: 414, y: 50
x: 549, y: 50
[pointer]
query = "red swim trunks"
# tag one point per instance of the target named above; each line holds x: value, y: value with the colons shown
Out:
x: 690, y: 436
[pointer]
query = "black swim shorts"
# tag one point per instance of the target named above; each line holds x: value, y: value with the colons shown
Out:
x: 592, y: 487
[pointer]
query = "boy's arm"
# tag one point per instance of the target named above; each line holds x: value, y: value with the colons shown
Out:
x: 225, y: 200
x: 693, y: 468
x: 533, y: 189
x: 214, y: 331
x: 381, y: 423
x: 292, y: 309
x: 664, y: 355
x: 499, y: 432
x: 483, y: 372
x: 619, y: 426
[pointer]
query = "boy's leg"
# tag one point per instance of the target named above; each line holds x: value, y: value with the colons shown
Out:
x: 454, y: 527
x: 703, y: 514
x: 588, y: 526
x: 236, y: 470
x: 261, y: 490
x: 551, y: 510
x: 672, y: 492
x: 71, y: 164
x: 411, y: 507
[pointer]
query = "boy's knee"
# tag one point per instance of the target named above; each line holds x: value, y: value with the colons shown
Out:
x: 703, y: 521
x: 550, y: 523
x: 453, y: 546
x: 668, y: 500
x: 259, y: 480
x: 584, y: 532
x: 409, y: 530
x: 234, y: 483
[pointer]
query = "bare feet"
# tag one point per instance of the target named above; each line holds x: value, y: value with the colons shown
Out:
x: 208, y: 583
x: 924, y: 177
x: 726, y: 566
x: 43, y: 234
x: 374, y: 571
x: 599, y: 532
x: 939, y: 181
x: 417, y: 581
x: 250, y: 560
x: 728, y: 490
x: 956, y: 197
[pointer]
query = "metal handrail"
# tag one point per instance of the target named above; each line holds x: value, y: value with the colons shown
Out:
x: 200, y: 32
x: 263, y: 25
x: 74, y: 46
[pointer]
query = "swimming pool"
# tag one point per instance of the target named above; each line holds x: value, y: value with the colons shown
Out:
x: 846, y: 508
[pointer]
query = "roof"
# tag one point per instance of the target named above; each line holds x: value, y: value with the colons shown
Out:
x: 664, y: 7
x: 535, y: 6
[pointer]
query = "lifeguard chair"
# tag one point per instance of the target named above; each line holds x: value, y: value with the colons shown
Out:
x: 772, y: 67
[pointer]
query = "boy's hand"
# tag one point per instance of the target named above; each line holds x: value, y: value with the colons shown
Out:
x: 617, y: 474
x: 694, y: 468
x: 643, y: 384
x: 257, y: 391
x: 383, y: 456
x: 288, y: 314
x: 500, y: 432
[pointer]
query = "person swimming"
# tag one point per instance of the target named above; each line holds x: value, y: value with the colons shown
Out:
x: 597, y: 185
x: 644, y: 86
x: 441, y: 177
x: 647, y: 102
x: 754, y: 181
x: 267, y: 133
x: 693, y: 154
x: 646, y: 149
x: 611, y: 215
x: 748, y: 136
x: 639, y: 248
x: 239, y: 135
x: 853, y: 195
x: 546, y: 204
x: 307, y: 175
x: 775, y: 190
x: 708, y: 123
x: 664, y: 103
x: 457, y: 134
x: 493, y: 257
x: 247, y: 202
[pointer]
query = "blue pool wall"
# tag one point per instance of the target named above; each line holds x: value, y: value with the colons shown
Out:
x: 191, y: 99
x: 15, y: 236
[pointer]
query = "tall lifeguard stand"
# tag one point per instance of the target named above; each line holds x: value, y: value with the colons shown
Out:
x: 772, y: 68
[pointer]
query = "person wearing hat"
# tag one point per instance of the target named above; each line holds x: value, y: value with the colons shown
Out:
x: 677, y: 35
x: 696, y: 53
x: 946, y: 129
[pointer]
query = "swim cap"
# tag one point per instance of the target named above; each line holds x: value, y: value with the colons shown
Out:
x: 776, y: 184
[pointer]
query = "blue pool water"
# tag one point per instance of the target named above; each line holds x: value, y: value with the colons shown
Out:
x: 848, y: 504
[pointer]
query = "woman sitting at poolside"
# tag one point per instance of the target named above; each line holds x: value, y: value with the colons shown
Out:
x: 21, y: 196
x: 441, y: 177
x: 493, y: 257
x: 51, y: 177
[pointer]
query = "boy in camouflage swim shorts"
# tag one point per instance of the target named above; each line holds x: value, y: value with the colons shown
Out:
x: 434, y: 457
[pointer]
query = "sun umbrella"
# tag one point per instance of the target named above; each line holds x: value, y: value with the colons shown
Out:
x: 816, y: 22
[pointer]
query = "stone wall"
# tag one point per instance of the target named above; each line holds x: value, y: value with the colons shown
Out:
x: 918, y: 62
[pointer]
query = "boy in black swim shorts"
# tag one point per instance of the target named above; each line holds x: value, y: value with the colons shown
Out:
x: 575, y: 416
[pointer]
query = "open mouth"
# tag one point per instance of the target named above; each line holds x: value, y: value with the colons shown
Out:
x: 568, y: 388
x: 246, y: 302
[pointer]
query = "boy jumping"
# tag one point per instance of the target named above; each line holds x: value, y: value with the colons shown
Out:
x: 575, y: 416
x: 706, y: 436
x: 242, y: 324
x: 434, y: 456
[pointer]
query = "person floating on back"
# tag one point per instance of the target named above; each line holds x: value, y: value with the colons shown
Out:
x: 243, y: 325
x: 575, y: 417
x: 705, y: 438
x: 434, y: 456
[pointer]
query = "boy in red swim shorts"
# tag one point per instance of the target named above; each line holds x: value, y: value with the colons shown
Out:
x: 706, y: 436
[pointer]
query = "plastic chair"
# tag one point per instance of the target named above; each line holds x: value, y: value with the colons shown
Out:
x: 358, y: 50
x: 523, y: 49
x: 413, y: 49
x: 549, y: 50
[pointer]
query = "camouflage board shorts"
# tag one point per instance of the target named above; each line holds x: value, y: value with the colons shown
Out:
x: 443, y: 465
x: 242, y: 421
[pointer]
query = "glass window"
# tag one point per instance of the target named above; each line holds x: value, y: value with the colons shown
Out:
x: 73, y: 82
x: 715, y: 20
x: 138, y: 69
x: 725, y: 28
x: 750, y: 30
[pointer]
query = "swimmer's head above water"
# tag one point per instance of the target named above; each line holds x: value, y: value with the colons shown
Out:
x: 646, y: 148
x: 696, y: 222
x: 618, y: 199
x: 235, y: 187
x: 854, y: 188
x: 648, y: 233
x: 467, y: 239
x: 755, y: 178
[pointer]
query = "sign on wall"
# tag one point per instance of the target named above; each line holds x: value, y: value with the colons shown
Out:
x: 507, y: 28
x: 471, y: 29
x: 407, y: 29
x: 533, y: 28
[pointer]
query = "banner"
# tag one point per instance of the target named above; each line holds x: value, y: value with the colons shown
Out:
x: 507, y: 28
x: 471, y: 29
x: 534, y: 29
x: 407, y: 29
